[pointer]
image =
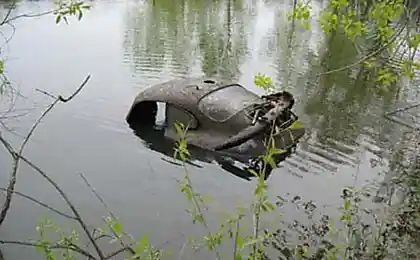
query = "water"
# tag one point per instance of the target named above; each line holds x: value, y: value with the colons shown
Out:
x: 127, y: 46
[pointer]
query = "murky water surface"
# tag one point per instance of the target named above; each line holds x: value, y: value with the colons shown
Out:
x: 126, y: 46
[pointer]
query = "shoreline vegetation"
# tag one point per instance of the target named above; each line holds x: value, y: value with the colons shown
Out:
x: 387, y: 37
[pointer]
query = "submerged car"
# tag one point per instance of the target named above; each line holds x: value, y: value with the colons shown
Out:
x: 221, y: 117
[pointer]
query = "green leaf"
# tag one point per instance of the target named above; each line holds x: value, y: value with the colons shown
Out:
x: 253, y: 172
x: 252, y: 242
x: 296, y: 125
x: 40, y: 247
x: 274, y: 151
x: 267, y: 206
x: 239, y: 243
x: 118, y: 227
x: 179, y: 128
x: 58, y: 19
x: 199, y: 218
x: 263, y: 81
x: 142, y: 244
x: 347, y: 204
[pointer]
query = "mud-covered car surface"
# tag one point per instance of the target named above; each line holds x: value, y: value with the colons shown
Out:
x: 214, y: 110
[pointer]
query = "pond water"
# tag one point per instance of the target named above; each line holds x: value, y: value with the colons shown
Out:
x: 127, y: 46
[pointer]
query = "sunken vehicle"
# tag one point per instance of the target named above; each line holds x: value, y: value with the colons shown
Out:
x: 223, y: 118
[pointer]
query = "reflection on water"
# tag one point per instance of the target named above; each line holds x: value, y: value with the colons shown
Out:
x: 169, y: 37
x: 154, y: 139
x: 129, y: 45
x: 343, y: 110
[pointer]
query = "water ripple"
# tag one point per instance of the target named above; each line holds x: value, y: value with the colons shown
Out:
x: 204, y: 39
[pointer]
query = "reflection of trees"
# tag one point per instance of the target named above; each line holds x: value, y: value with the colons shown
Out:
x: 292, y: 47
x: 140, y: 39
x: 346, y: 103
x: 223, y: 47
x: 163, y: 33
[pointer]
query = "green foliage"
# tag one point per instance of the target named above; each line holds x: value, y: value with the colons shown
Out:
x: 302, y: 13
x: 346, y: 238
x: 365, y: 21
x: 181, y: 145
x: 67, y: 242
x: 339, y: 13
x: 4, y: 83
x: 70, y: 9
x: 264, y: 82
x: 383, y: 13
x: 65, y: 8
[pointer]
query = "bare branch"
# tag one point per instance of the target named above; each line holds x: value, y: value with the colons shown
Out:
x: 125, y: 247
x: 16, y: 160
x: 16, y: 155
x: 181, y: 253
x: 62, y: 99
x: 40, y: 203
x: 95, y: 193
x: 53, y: 246
x: 46, y: 93
x: 7, y: 19
x: 69, y: 203
x: 6, y: 144
x: 102, y: 236
x: 119, y: 251
x: 128, y: 248
x: 13, y: 6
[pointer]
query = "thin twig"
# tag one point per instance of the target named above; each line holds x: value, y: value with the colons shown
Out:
x: 16, y: 156
x: 62, y: 99
x: 45, y: 93
x: 125, y: 247
x: 198, y: 208
x: 119, y: 251
x: 40, y: 203
x: 367, y: 56
x: 181, y: 253
x: 101, y: 235
x: 53, y: 246
x: 235, y: 244
x: 6, y: 144
x: 12, y: 181
x: 13, y: 6
x: 69, y: 203
x: 94, y: 192
x: 7, y: 20
x: 402, y: 109
x: 128, y: 248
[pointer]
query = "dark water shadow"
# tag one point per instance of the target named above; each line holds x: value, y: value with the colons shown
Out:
x: 154, y: 139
